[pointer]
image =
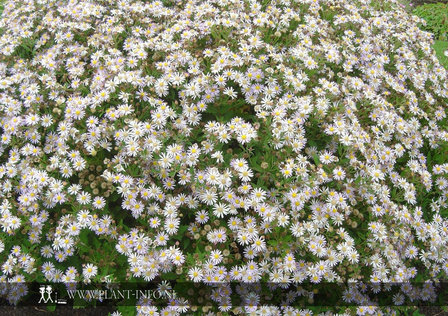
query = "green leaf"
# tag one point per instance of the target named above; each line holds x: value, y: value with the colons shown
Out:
x: 181, y: 232
x: 127, y: 310
x: 417, y: 313
x: 51, y: 308
x: 83, y: 236
x: 316, y: 159
x: 186, y: 243
x: 170, y: 276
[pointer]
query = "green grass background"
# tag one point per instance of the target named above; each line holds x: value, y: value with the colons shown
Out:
x: 440, y: 47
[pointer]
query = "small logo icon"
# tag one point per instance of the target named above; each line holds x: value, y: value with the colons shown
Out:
x: 45, y: 294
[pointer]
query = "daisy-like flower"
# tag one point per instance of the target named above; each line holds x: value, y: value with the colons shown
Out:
x: 84, y: 198
x: 217, y: 236
x: 171, y: 225
x: 195, y: 274
x: 89, y: 271
x: 216, y: 257
x: 338, y: 173
x: 246, y: 175
x: 220, y: 210
x: 376, y: 174
x: 154, y: 222
x: 230, y: 92
x: 327, y: 157
x: 202, y: 217
x: 99, y: 202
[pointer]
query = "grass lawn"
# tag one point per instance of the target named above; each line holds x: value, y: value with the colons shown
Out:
x: 440, y: 47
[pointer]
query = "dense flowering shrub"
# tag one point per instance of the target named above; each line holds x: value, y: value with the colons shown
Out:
x: 207, y: 141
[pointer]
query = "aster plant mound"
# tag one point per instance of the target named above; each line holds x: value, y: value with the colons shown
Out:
x: 277, y: 142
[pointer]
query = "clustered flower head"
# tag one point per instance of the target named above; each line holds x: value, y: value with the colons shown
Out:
x: 223, y: 140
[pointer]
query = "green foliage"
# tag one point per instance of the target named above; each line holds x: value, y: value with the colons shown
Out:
x: 436, y: 17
